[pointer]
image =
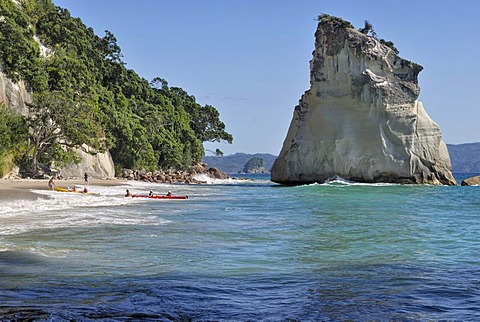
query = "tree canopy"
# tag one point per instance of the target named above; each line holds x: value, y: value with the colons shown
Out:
x: 57, y: 122
x: 13, y: 138
x: 325, y: 18
x: 85, y: 94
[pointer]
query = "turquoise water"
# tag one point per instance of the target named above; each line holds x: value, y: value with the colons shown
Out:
x: 242, y: 250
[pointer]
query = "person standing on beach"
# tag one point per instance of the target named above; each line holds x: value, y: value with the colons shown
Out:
x: 86, y: 177
x: 51, y: 184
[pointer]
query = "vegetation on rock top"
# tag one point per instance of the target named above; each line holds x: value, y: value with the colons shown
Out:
x: 366, y: 30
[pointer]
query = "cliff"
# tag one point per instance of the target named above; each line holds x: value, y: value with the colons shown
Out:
x: 13, y: 95
x: 361, y: 119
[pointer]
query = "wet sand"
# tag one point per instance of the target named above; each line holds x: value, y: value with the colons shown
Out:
x: 21, y: 189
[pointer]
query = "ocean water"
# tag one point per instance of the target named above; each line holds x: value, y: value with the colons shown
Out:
x: 243, y: 250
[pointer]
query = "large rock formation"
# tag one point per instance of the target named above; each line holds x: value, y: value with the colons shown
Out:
x: 99, y: 165
x: 361, y: 119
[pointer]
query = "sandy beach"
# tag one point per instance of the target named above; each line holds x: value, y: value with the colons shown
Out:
x: 21, y: 189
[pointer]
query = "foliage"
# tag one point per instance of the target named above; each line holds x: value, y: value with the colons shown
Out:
x: 368, y: 30
x: 86, y: 95
x: 204, y: 120
x: 218, y: 153
x: 12, y: 139
x: 19, y: 51
x: 325, y: 18
x: 389, y: 44
x: 58, y: 124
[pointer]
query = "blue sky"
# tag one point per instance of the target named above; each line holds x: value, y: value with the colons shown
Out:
x: 250, y: 58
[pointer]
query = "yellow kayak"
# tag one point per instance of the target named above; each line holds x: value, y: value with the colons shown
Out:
x: 59, y: 189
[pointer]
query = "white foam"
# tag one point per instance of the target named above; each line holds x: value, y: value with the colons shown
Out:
x: 341, y: 181
x: 205, y: 178
x: 208, y: 180
x: 62, y: 209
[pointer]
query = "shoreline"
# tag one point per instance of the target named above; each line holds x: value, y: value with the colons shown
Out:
x: 12, y: 189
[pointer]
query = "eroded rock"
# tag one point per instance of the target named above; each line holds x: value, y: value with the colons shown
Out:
x: 361, y: 119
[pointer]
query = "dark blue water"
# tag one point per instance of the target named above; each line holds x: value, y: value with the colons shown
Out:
x: 245, y: 250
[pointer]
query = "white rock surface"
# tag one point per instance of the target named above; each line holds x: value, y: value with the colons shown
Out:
x: 13, y: 95
x: 361, y: 119
x: 99, y: 166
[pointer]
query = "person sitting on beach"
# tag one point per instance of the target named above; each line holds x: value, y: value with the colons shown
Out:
x: 150, y: 194
x: 128, y: 193
x: 51, y: 184
x: 85, y: 190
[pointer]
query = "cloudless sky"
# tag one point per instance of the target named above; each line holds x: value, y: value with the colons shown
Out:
x: 250, y: 58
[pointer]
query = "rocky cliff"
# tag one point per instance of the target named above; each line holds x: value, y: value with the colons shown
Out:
x: 13, y: 95
x: 361, y: 119
x: 99, y: 165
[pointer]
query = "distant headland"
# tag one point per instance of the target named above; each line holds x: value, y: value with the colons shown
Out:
x: 465, y: 158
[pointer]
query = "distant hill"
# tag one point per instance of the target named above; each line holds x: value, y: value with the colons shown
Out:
x: 465, y: 158
x: 235, y: 163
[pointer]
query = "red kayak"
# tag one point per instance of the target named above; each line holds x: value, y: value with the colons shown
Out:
x: 159, y: 197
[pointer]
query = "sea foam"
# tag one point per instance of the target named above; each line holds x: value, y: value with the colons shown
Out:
x: 53, y: 210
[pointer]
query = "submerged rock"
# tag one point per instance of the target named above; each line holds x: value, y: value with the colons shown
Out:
x: 361, y: 119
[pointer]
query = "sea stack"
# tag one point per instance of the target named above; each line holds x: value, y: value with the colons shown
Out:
x: 360, y: 119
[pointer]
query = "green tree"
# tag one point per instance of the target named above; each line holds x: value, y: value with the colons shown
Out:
x: 325, y: 18
x: 204, y: 120
x: 19, y: 51
x: 218, y: 153
x: 58, y: 124
x: 368, y: 29
x: 146, y: 125
x: 13, y: 138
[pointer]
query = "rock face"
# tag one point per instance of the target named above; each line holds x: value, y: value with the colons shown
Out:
x: 361, y: 119
x: 99, y: 166
x: 13, y: 95
x: 473, y: 181
x: 255, y: 165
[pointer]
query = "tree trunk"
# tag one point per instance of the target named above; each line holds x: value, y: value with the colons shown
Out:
x: 35, y: 156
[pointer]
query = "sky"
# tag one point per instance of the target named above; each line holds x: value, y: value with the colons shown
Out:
x: 250, y: 58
